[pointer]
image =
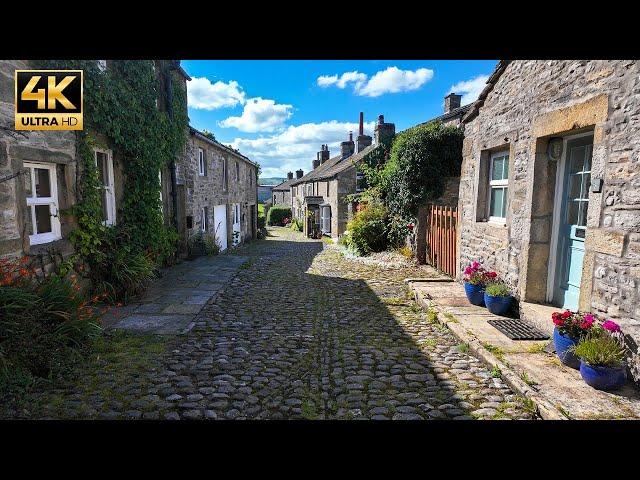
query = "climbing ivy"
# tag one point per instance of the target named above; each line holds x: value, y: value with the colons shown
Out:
x: 120, y: 106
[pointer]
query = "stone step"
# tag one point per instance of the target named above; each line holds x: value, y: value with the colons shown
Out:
x: 539, y: 315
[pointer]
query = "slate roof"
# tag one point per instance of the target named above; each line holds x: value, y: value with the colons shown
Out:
x: 284, y: 186
x: 343, y: 165
x: 313, y: 174
x: 216, y: 143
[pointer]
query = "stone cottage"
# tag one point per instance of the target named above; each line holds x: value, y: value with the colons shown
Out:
x: 281, y: 194
x: 38, y: 173
x: 320, y: 196
x: 217, y: 191
x: 550, y: 187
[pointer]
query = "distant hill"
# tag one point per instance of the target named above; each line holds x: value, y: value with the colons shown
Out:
x: 270, y: 180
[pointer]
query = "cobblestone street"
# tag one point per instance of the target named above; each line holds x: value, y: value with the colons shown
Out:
x: 300, y: 332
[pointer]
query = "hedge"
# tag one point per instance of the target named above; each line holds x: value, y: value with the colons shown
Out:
x: 277, y: 214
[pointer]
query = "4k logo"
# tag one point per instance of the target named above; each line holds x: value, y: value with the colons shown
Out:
x: 49, y: 100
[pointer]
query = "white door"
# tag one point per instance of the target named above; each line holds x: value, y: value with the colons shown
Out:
x: 220, y: 225
x: 236, y: 223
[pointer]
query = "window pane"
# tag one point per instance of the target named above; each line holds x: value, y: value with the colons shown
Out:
x: 586, y: 185
x: 577, y: 159
x: 43, y: 183
x: 575, y: 182
x: 497, y: 208
x: 43, y: 219
x: 27, y: 183
x: 105, y: 213
x: 582, y: 215
x: 101, y: 164
x: 505, y: 171
x: 496, y: 173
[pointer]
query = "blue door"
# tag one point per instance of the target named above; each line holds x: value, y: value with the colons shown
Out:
x: 573, y: 222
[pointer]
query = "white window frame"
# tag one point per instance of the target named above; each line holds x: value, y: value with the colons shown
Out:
x: 324, y: 219
x: 204, y: 225
x: 110, y: 187
x: 498, y: 184
x: 202, y: 168
x: 52, y: 201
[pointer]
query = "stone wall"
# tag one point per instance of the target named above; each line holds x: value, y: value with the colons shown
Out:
x: 281, y: 197
x: 48, y: 147
x: 531, y: 102
x: 209, y: 190
x: 343, y: 184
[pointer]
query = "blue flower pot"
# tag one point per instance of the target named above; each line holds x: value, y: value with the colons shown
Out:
x: 497, y: 305
x: 603, y: 378
x: 563, y: 346
x: 475, y: 294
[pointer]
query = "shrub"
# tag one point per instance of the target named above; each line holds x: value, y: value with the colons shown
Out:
x: 573, y: 324
x: 203, y: 243
x: 44, y: 318
x: 497, y: 289
x: 599, y: 348
x: 368, y: 229
x: 421, y: 158
x: 296, y: 225
x: 277, y: 214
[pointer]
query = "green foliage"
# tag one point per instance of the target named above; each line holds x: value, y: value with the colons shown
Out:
x: 600, y: 348
x: 420, y: 160
x: 208, y: 134
x: 497, y: 289
x: 42, y: 321
x: 120, y: 105
x: 296, y: 225
x: 368, y: 229
x: 203, y: 244
x: 277, y: 214
x: 126, y: 275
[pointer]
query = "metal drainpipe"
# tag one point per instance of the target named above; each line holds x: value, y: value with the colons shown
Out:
x: 172, y: 165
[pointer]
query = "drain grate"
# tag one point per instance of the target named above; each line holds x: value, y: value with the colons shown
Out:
x: 516, y: 329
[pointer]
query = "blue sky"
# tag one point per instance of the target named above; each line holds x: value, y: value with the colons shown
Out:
x: 279, y: 112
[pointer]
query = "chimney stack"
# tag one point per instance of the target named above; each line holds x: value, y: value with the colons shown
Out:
x: 347, y: 148
x: 451, y: 102
x: 384, y: 132
x: 324, y: 153
x: 363, y: 140
x: 315, y: 163
x: 290, y: 176
x: 299, y: 173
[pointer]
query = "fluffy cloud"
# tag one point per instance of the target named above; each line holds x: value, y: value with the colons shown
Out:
x: 202, y: 94
x: 296, y: 146
x: 470, y: 89
x: 259, y: 115
x: 341, y: 81
x: 394, y: 80
x: 391, y: 80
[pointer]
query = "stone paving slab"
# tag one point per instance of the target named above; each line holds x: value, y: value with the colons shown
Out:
x: 558, y: 389
x: 171, y: 303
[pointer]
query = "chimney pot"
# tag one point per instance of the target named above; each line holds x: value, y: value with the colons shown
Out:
x: 290, y: 176
x: 299, y: 173
x: 380, y: 119
x: 451, y: 102
x: 316, y: 163
x: 351, y: 136
x: 361, y: 126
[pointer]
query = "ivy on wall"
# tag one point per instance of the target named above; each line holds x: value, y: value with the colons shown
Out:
x: 120, y: 105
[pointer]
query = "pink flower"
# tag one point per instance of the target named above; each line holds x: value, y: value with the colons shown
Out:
x: 611, y: 326
x: 475, y: 265
x: 586, y: 322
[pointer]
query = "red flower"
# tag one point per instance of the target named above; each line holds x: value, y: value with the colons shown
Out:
x: 410, y: 226
x: 566, y: 314
x: 491, y: 274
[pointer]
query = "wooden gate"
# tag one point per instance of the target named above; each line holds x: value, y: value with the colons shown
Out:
x: 441, y: 238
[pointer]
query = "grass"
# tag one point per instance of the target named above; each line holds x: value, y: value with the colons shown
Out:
x: 496, y: 372
x: 563, y: 411
x: 528, y: 405
x: 526, y: 379
x: 451, y: 318
x: 496, y: 351
x: 537, y: 347
x: 463, y: 347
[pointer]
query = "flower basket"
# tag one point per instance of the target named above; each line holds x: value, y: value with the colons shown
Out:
x: 603, y: 378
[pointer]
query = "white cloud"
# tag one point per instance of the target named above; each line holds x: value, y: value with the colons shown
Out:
x: 391, y: 80
x: 470, y: 89
x: 202, y: 94
x: 394, y: 80
x: 354, y: 77
x: 295, y: 147
x: 259, y: 115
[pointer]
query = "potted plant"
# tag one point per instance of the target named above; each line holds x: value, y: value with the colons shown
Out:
x: 602, y: 355
x: 497, y: 297
x: 570, y: 327
x: 474, y: 281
